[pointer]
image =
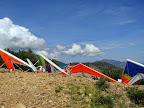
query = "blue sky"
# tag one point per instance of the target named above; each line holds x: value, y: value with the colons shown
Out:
x: 114, y: 27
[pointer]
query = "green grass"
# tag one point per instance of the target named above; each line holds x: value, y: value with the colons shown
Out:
x: 101, y: 84
x: 58, y: 89
x: 136, y: 95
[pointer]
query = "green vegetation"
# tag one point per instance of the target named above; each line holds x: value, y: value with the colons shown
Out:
x: 89, y: 96
x: 56, y: 62
x: 2, y: 71
x: 105, y: 101
x: 136, y: 95
x: 24, y: 54
x: 101, y: 66
x: 140, y: 82
x: 58, y: 89
x: 115, y: 74
x: 101, y: 84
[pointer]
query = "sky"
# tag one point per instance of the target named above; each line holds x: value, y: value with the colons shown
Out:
x: 74, y: 30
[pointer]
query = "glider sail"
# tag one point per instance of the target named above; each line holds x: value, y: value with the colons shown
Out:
x: 31, y: 64
x: 45, y: 62
x: 133, y: 72
x: 83, y: 70
x: 9, y: 59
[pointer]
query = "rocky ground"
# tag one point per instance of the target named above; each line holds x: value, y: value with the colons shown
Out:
x: 42, y: 90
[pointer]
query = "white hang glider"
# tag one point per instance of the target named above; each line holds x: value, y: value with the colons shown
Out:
x: 31, y: 64
x: 10, y: 59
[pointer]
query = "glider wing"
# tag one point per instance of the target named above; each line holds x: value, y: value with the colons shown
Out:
x: 133, y: 72
x: 9, y: 59
x: 45, y: 64
x: 83, y: 70
x: 43, y: 59
x: 31, y: 64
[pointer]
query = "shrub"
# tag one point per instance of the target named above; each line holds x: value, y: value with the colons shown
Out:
x: 140, y: 82
x: 102, y: 101
x: 58, y: 89
x: 136, y: 95
x: 101, y: 84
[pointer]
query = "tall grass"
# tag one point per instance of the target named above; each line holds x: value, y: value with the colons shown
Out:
x: 136, y: 95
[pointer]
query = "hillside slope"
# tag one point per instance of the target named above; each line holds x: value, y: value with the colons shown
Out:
x: 43, y: 90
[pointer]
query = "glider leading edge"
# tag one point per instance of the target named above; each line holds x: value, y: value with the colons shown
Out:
x: 9, y: 59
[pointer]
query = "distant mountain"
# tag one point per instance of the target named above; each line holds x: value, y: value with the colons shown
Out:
x: 114, y: 62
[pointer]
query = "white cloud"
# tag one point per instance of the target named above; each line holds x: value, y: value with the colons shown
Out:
x: 43, y: 52
x: 15, y: 36
x: 75, y: 50
x: 54, y: 55
x: 108, y: 46
x: 91, y: 50
x: 126, y: 22
x: 88, y: 50
x: 60, y: 47
x: 47, y: 49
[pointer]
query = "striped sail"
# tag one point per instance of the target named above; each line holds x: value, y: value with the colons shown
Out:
x: 45, y: 64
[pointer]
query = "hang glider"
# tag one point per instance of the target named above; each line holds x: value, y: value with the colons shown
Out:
x: 133, y: 72
x: 46, y: 62
x: 31, y: 64
x: 10, y: 59
x: 83, y: 70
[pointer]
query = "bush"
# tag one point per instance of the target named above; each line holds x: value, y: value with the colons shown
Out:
x: 58, y: 89
x: 101, y: 84
x: 136, y: 95
x: 103, y: 101
x: 140, y: 82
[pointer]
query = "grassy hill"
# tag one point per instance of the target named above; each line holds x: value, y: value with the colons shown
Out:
x: 60, y: 91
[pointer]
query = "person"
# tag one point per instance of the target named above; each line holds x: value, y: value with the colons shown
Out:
x: 69, y: 68
x: 41, y: 69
